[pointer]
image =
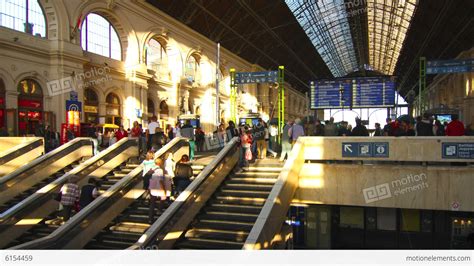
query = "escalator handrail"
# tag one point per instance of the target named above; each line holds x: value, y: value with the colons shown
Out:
x: 20, y: 149
x: 66, y: 147
x: 47, y: 190
x: 152, y: 232
x: 75, y: 221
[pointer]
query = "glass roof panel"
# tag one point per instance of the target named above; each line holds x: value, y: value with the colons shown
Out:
x: 388, y: 22
x: 326, y: 23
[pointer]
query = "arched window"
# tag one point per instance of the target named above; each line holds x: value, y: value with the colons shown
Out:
x: 23, y: 15
x: 112, y: 109
x: 156, y: 58
x: 91, y: 106
x: 192, y: 68
x: 98, y: 36
x: 151, y: 108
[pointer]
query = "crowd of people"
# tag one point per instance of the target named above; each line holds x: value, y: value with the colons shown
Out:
x: 163, y: 179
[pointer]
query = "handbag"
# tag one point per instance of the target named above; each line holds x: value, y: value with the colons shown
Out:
x: 248, y: 155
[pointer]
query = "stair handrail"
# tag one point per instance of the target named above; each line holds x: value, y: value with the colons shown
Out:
x: 152, y: 232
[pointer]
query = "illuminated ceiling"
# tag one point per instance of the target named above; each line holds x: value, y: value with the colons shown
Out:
x: 328, y: 24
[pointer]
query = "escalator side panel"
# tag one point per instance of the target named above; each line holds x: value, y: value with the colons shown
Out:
x: 270, y: 220
x: 20, y: 155
x: 9, y: 221
x: 15, y: 187
x: 27, y: 222
x: 181, y: 220
x: 94, y: 226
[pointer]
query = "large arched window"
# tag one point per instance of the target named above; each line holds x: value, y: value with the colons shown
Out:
x: 98, y: 36
x: 156, y: 58
x: 23, y: 15
x: 192, y: 68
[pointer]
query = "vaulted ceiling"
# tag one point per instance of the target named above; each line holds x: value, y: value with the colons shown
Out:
x: 317, y: 39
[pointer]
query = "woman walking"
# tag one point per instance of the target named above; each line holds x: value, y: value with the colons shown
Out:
x: 160, y: 189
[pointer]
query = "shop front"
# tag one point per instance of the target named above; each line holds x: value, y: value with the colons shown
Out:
x: 91, y: 106
x: 30, y: 107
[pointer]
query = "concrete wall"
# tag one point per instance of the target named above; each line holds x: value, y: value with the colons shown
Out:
x: 404, y: 179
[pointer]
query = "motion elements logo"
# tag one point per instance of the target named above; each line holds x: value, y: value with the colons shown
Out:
x: 92, y: 77
x: 398, y: 187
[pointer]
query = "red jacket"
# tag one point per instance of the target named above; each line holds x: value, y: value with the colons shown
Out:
x: 455, y: 128
x: 121, y: 134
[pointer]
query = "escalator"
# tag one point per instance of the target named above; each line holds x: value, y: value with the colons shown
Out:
x: 51, y: 223
x: 23, y: 195
x: 129, y: 225
x: 30, y: 177
x: 228, y: 217
x: 119, y: 204
x: 33, y: 210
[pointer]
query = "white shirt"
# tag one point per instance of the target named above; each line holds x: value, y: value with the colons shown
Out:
x: 152, y: 127
x: 169, y: 167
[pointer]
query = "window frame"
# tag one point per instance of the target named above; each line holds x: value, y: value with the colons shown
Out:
x: 27, y: 21
x: 85, y: 22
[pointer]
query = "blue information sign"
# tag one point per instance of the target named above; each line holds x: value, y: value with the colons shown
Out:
x: 457, y: 150
x: 353, y: 93
x: 73, y: 106
x: 365, y: 149
x: 256, y: 77
x: 450, y: 66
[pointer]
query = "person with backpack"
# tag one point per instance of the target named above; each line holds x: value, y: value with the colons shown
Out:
x: 148, y: 166
x: 182, y: 174
x: 89, y: 192
x: 160, y: 189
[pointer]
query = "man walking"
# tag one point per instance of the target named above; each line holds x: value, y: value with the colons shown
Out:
x: 187, y: 131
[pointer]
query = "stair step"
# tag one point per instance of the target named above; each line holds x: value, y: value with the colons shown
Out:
x: 257, y: 174
x: 230, y: 217
x: 224, y: 225
x: 234, y: 208
x: 254, y: 180
x: 247, y: 186
x: 236, y: 236
x: 243, y: 193
x: 198, y: 243
x: 239, y: 200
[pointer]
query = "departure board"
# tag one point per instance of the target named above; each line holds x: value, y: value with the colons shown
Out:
x: 373, y: 92
x: 353, y: 93
x: 331, y: 94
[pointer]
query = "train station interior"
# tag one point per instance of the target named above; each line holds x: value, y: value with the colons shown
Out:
x: 236, y: 125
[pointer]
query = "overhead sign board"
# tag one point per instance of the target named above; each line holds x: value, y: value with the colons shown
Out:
x: 450, y: 66
x: 457, y: 150
x: 353, y: 93
x: 365, y: 149
x: 256, y: 77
